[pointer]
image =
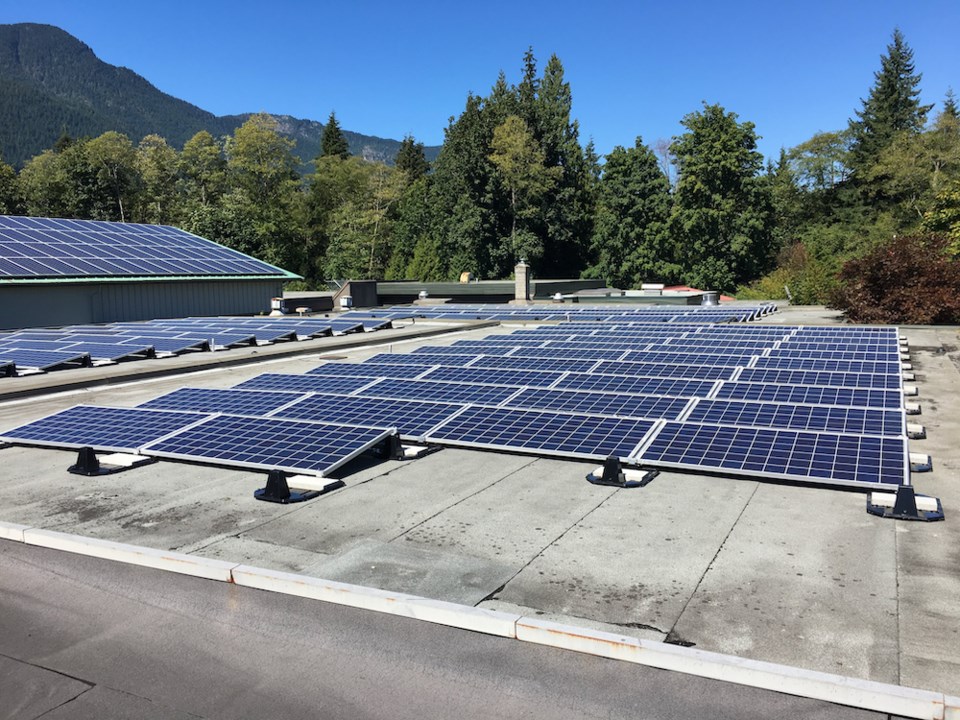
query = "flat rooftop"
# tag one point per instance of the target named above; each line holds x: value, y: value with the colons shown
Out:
x: 795, y: 575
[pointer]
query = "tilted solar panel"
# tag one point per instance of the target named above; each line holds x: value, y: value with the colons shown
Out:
x: 368, y: 369
x: 600, y: 403
x: 448, y: 392
x: 305, y: 383
x: 50, y: 247
x: 543, y: 432
x: 787, y: 454
x: 812, y: 395
x: 237, y: 402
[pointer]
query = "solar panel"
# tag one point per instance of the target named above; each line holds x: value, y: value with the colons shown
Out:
x: 829, y: 365
x: 600, y: 403
x: 368, y: 369
x: 167, y: 345
x: 531, y: 351
x: 43, y: 359
x: 664, y: 370
x: 636, y: 385
x: 492, y: 376
x: 304, y: 383
x: 815, y: 377
x: 110, y: 351
x: 543, y: 432
x: 731, y: 358
x: 859, y: 421
x: 456, y: 393
x: 785, y: 454
x: 102, y: 428
x: 812, y: 395
x: 49, y: 247
x: 237, y: 402
x: 412, y: 418
x: 269, y: 443
x: 878, y: 354
x: 424, y: 359
x: 528, y: 363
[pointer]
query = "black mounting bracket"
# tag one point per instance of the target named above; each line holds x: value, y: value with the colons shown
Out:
x: 614, y: 476
x: 277, y: 490
x: 89, y: 464
x: 905, y: 507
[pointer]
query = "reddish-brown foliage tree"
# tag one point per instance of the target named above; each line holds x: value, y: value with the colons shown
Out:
x: 909, y: 280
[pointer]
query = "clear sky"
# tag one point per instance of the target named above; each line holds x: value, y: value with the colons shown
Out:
x: 635, y: 67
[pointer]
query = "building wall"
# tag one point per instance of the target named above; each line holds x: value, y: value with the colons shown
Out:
x: 54, y: 304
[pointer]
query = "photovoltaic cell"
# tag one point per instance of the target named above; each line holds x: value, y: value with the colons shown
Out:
x: 788, y: 454
x: 237, y: 402
x: 812, y: 395
x: 859, y: 421
x: 830, y: 365
x: 270, y: 443
x: 102, y: 428
x: 814, y: 377
x: 50, y: 247
x: 304, y: 383
x: 456, y: 393
x: 368, y: 369
x: 412, y: 418
x: 517, y: 378
x: 664, y: 370
x: 599, y: 403
x: 636, y: 385
x: 587, y: 436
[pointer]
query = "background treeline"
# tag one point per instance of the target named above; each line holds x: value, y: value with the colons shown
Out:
x: 513, y: 179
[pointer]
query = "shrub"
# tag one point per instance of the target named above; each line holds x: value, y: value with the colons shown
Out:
x: 910, y: 279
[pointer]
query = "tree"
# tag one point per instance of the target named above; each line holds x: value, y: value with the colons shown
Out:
x: 157, y: 164
x: 204, y: 169
x: 114, y: 159
x: 411, y: 159
x: 332, y: 142
x: 820, y: 163
x: 520, y: 162
x: 261, y: 160
x: 630, y: 238
x: 9, y: 190
x: 721, y: 218
x: 893, y: 106
x: 950, y: 105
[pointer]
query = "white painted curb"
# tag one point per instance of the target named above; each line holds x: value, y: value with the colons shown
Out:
x: 951, y: 706
x: 134, y: 554
x: 491, y: 622
x: 12, y: 531
x: 865, y: 694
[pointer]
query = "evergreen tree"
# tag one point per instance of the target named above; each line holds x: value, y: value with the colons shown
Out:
x: 721, y: 218
x: 630, y: 238
x: 9, y: 190
x: 411, y: 159
x: 893, y: 105
x: 332, y: 142
x: 950, y: 105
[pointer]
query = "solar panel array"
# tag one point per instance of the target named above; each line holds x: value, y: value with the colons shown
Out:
x: 667, y: 394
x: 36, y: 350
x: 35, y: 248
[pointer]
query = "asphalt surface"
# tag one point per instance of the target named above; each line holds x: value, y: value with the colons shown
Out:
x: 82, y: 638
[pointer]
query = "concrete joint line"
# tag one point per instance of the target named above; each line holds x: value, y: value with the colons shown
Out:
x: 853, y: 692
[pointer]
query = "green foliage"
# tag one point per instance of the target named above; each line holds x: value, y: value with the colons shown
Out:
x: 332, y: 142
x: 630, y: 239
x: 412, y: 159
x: 892, y: 107
x: 909, y: 279
x: 10, y: 200
x: 799, y: 277
x: 721, y: 218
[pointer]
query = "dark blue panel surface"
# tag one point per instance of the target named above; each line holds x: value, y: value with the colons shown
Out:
x: 812, y: 395
x: 208, y: 400
x: 304, y: 383
x: 412, y: 418
x: 636, y: 385
x: 368, y: 369
x: 600, y: 403
x: 859, y: 421
x: 456, y: 393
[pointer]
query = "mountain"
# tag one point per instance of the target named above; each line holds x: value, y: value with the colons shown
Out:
x: 51, y: 82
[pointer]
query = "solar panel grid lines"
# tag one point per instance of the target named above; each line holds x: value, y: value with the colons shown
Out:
x: 810, y: 395
x: 599, y: 403
x: 830, y: 365
x: 737, y: 413
x: 110, y: 351
x: 494, y: 376
x: 821, y: 377
x: 58, y: 248
x: 422, y: 359
x: 368, y: 369
x: 852, y: 460
x: 43, y: 359
x: 539, y: 431
x: 664, y: 370
x: 103, y: 428
x: 306, y: 383
x: 412, y: 418
x: 636, y: 385
x: 811, y: 354
x: 502, y: 362
x: 730, y: 359
x: 302, y: 446
x: 235, y: 401
x: 534, y: 352
x: 447, y: 392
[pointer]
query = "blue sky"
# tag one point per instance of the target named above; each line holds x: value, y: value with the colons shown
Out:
x: 635, y: 68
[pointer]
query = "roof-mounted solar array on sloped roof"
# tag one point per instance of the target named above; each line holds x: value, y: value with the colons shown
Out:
x: 32, y: 248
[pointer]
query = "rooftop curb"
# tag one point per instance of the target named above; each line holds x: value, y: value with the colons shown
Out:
x: 838, y: 689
